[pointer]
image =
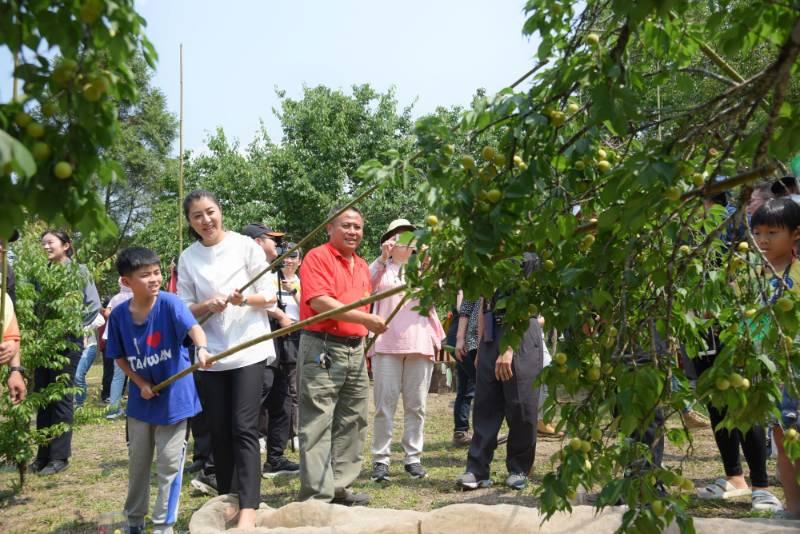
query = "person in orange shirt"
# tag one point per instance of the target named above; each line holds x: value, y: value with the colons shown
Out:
x: 9, y: 353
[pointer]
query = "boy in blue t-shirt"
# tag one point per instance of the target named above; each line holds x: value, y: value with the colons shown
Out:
x: 146, y: 337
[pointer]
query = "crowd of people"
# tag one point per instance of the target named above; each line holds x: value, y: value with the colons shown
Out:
x: 309, y: 390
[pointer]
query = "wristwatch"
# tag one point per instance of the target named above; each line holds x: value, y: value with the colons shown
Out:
x: 244, y: 302
x: 18, y: 368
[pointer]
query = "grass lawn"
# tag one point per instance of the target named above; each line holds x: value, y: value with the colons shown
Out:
x: 96, y: 481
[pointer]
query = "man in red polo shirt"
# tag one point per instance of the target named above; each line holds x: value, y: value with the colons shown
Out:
x: 334, y: 385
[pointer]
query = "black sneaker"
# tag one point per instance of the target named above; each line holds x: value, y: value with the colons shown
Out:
x: 206, y: 484
x: 380, y: 472
x: 195, y: 466
x: 281, y: 466
x: 55, y: 466
x: 349, y: 498
x: 416, y: 470
x: 468, y: 481
x: 37, y: 465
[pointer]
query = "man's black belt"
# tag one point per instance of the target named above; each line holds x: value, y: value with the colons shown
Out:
x: 350, y: 341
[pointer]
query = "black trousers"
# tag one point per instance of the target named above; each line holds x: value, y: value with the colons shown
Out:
x: 653, y: 437
x: 753, y: 443
x: 515, y: 400
x: 59, y: 411
x: 108, y: 375
x: 290, y: 371
x: 275, y: 407
x: 289, y: 346
x: 201, y: 432
x: 231, y: 401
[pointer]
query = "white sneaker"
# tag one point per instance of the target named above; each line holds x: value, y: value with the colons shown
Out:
x: 262, y: 444
x: 765, y: 501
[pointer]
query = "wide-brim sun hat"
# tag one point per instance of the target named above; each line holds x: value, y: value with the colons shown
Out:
x: 395, y: 227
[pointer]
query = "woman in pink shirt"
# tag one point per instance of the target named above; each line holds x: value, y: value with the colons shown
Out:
x: 403, y: 356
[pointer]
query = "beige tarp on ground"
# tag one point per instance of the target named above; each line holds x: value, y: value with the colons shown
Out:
x: 321, y: 518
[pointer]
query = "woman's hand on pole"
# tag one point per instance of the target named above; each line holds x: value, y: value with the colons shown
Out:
x: 216, y: 304
x: 202, y: 358
x: 236, y: 298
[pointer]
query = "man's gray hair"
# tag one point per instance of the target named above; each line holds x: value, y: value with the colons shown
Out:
x: 337, y: 208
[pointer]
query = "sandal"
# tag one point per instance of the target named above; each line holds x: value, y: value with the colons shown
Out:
x: 722, y: 489
x: 548, y: 431
x: 765, y: 501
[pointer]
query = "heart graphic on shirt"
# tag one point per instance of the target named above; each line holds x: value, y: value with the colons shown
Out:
x: 154, y: 339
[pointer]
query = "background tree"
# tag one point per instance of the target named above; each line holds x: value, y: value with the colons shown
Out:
x: 146, y: 137
x: 49, y: 310
x: 54, y: 135
x: 580, y: 167
x: 291, y: 185
x: 326, y: 136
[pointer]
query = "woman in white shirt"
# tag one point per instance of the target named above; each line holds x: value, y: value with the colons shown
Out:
x: 210, y: 272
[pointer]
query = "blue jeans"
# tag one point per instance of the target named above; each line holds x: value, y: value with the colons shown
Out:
x: 85, y: 363
x: 465, y: 391
x: 117, y: 387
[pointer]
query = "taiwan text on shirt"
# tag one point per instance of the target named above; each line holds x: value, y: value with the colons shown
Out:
x: 155, y: 350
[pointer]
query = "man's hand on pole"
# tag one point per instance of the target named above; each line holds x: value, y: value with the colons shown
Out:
x: 375, y: 323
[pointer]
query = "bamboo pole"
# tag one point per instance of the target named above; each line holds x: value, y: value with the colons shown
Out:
x: 299, y: 245
x: 282, y: 332
x: 3, y: 287
x: 3, y: 243
x: 388, y: 320
x: 180, y: 168
x: 14, y: 79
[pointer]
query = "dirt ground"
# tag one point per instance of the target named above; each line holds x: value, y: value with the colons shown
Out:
x: 92, y: 490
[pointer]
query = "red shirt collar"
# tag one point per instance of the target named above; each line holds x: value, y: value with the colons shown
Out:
x: 338, y: 254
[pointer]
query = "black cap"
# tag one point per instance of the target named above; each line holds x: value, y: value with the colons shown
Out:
x: 781, y: 186
x: 290, y: 246
x: 255, y: 230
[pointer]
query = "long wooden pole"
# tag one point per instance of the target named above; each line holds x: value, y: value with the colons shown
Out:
x: 180, y: 163
x: 388, y: 320
x: 3, y: 287
x: 283, y: 331
x: 299, y: 245
x: 3, y: 243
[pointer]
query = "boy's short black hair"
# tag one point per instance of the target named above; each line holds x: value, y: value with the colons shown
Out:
x: 780, y: 212
x: 134, y: 258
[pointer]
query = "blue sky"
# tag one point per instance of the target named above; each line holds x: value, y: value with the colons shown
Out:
x: 237, y: 52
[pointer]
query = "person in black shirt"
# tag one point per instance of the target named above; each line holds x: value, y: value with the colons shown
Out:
x: 504, y: 390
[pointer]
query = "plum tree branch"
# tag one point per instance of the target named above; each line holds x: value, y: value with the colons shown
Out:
x: 783, y: 69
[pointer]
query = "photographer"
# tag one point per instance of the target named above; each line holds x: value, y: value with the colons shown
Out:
x: 288, y: 290
x: 275, y: 400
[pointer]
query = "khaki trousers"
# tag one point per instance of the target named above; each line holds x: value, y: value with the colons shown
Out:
x: 333, y: 416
